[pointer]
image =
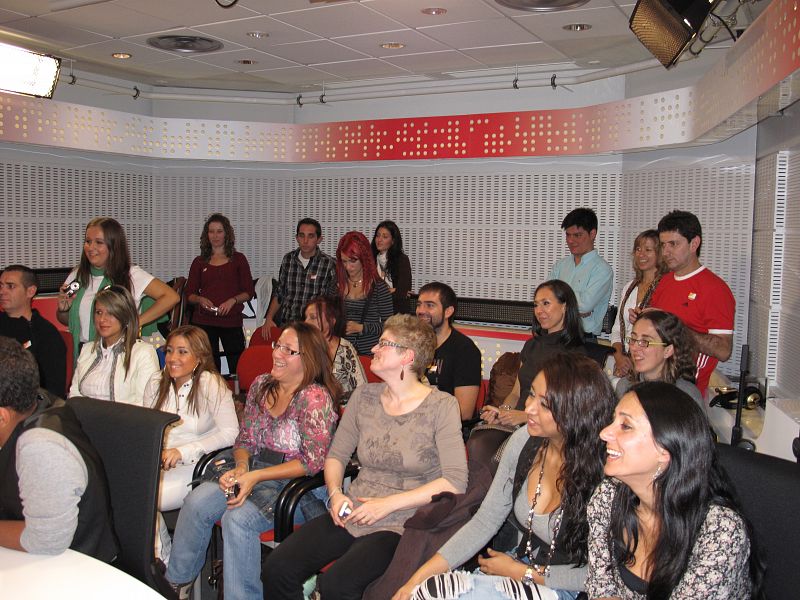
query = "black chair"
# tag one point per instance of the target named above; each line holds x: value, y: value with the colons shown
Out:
x: 608, y: 319
x: 768, y: 489
x: 128, y: 439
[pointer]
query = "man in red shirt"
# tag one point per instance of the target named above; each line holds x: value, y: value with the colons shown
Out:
x: 692, y: 292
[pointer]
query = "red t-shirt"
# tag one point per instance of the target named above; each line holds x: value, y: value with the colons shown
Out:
x: 705, y: 304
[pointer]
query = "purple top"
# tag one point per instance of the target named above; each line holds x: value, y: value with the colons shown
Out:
x: 304, y: 431
x: 218, y: 284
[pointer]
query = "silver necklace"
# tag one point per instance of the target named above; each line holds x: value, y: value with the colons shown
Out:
x: 544, y: 569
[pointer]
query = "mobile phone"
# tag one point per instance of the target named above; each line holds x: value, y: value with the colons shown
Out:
x: 345, y: 510
x: 233, y: 491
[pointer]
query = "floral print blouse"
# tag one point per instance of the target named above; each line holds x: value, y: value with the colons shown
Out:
x: 304, y: 431
x: 717, y: 569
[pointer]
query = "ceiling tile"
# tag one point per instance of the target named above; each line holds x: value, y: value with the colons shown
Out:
x: 493, y: 32
x: 236, y: 31
x: 611, y: 51
x: 604, y: 22
x: 228, y: 60
x: 109, y: 19
x: 516, y: 54
x: 409, y: 12
x: 61, y: 35
x: 435, y: 62
x: 517, y: 13
x: 307, y: 53
x: 371, y: 43
x: 362, y: 69
x: 296, y: 75
x: 270, y: 7
x: 185, y: 68
x: 8, y: 15
x: 185, y: 13
x: 338, y: 20
x: 28, y: 7
x: 101, y: 52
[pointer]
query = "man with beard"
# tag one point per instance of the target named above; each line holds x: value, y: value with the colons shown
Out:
x: 456, y: 367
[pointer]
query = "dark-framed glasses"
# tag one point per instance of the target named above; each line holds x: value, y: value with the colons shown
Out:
x: 642, y: 343
x: 390, y: 344
x: 285, y: 349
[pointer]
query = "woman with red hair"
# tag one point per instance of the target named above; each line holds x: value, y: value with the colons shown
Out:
x: 366, y: 298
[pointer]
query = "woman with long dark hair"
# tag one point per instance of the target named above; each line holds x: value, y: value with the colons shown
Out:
x: 665, y: 524
x: 285, y: 433
x: 393, y: 264
x: 106, y: 260
x: 326, y: 315
x: 117, y: 365
x: 546, y: 476
x: 662, y: 350
x: 219, y: 284
x: 367, y: 301
x: 648, y: 268
x: 557, y: 328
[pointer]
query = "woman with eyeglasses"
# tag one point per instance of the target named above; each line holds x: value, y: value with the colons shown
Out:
x: 288, y: 423
x: 106, y: 260
x: 117, y: 365
x: 366, y: 297
x: 325, y: 314
x: 410, y: 448
x: 664, y: 524
x: 648, y: 267
x: 661, y: 350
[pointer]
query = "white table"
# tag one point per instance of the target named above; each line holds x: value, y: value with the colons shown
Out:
x: 66, y: 576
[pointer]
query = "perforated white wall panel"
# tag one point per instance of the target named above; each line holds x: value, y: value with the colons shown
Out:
x: 789, y: 336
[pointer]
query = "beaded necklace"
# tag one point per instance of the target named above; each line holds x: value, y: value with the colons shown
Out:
x: 544, y: 569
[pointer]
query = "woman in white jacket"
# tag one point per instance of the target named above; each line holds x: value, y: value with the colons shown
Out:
x: 190, y: 386
x: 116, y: 366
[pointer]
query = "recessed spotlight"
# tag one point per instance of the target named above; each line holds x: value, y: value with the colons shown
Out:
x: 392, y: 45
x: 594, y: 62
x: 434, y: 11
x: 577, y: 27
x: 247, y: 61
x: 257, y: 34
x: 121, y: 55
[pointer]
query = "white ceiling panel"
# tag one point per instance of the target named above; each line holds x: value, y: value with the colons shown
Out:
x: 409, y: 12
x: 186, y: 68
x: 229, y: 60
x: 27, y: 7
x: 101, y: 52
x: 516, y: 54
x: 61, y: 34
x: 296, y: 75
x: 611, y: 51
x: 362, y: 69
x: 236, y: 31
x: 307, y: 53
x: 270, y: 7
x: 494, y: 32
x: 371, y: 43
x: 8, y: 15
x: 110, y: 20
x: 186, y: 13
x: 435, y: 62
x: 550, y: 26
x: 339, y: 19
x: 512, y: 12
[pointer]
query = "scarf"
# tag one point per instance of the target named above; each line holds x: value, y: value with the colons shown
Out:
x: 75, y: 314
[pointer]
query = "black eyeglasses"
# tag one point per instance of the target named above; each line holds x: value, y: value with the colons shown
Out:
x: 643, y: 343
x: 390, y: 344
x: 285, y: 349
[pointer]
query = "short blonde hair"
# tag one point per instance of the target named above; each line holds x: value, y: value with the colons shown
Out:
x: 415, y: 335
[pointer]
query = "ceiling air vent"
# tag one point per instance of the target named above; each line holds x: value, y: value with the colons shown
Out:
x: 186, y: 44
x: 542, y: 5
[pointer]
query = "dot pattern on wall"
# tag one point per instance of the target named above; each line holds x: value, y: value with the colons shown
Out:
x: 752, y: 79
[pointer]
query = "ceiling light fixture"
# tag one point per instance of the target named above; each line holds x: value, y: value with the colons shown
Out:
x: 577, y: 27
x: 434, y: 11
x: 28, y: 73
x: 122, y: 55
x: 541, y: 5
x: 257, y: 34
x: 392, y: 45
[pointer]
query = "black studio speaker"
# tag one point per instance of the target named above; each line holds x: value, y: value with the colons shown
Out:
x: 667, y: 27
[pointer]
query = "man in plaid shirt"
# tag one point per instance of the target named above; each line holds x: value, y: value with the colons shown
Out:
x: 305, y: 273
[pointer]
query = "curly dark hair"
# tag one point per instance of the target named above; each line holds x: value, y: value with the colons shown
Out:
x: 692, y: 481
x: 19, y: 376
x: 230, y: 236
x: 672, y: 331
x: 582, y: 402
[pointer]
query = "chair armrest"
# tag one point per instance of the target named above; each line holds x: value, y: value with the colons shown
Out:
x: 202, y: 464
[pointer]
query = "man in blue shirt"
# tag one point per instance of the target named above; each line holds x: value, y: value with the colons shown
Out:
x: 590, y: 277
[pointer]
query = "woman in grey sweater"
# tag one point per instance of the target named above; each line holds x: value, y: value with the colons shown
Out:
x: 546, y: 476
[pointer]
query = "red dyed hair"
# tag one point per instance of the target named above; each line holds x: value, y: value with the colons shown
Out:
x: 356, y: 245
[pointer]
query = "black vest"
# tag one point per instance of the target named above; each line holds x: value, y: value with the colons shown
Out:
x: 95, y: 532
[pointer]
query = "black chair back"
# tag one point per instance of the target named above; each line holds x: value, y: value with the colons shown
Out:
x: 128, y: 439
x: 769, y: 492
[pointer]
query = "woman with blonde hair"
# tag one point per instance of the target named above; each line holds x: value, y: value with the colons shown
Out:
x: 117, y: 365
x: 191, y: 387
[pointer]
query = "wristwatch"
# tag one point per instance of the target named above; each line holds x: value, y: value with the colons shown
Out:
x: 527, y: 579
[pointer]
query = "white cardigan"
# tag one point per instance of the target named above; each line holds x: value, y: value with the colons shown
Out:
x: 130, y: 389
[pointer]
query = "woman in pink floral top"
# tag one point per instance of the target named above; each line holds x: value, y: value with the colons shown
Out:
x: 285, y: 433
